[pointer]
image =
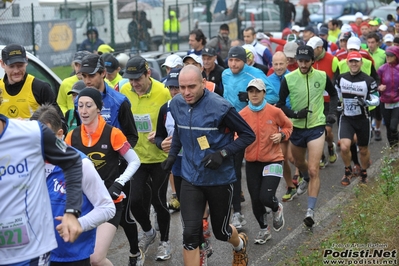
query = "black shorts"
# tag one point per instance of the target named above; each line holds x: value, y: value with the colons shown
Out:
x: 301, y: 136
x: 348, y: 127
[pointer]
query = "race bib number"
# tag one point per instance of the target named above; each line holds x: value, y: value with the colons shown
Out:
x: 143, y: 123
x: 391, y: 105
x: 203, y: 143
x: 273, y: 169
x: 13, y: 232
x: 351, y: 107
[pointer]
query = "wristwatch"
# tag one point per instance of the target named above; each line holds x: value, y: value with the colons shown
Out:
x: 282, y: 136
x: 223, y: 153
x: 73, y: 211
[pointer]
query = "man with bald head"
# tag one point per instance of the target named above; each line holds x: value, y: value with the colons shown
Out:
x: 207, y: 138
x: 280, y: 64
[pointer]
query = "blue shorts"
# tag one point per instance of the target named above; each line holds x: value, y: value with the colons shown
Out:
x: 301, y: 136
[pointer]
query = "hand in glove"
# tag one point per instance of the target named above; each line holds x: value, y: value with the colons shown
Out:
x: 302, y: 113
x: 213, y: 161
x: 243, y: 96
x: 331, y: 119
x: 115, y: 190
x: 168, y: 163
x: 361, y: 101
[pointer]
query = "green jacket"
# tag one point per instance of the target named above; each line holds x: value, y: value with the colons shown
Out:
x: 307, y: 91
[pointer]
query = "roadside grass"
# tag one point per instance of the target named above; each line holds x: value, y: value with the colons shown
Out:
x: 62, y: 71
x: 371, y: 216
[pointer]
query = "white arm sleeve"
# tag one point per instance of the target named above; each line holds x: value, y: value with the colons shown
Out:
x: 93, y: 187
x: 133, y: 163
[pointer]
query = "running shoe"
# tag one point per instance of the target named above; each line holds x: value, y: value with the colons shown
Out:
x: 309, y: 219
x: 295, y: 180
x: 147, y: 240
x: 289, y: 195
x: 263, y: 236
x: 333, y: 156
x: 173, y: 204
x: 278, y: 218
x: 323, y: 162
x: 137, y: 260
x: 163, y: 252
x: 240, y: 258
x: 302, y: 187
x: 346, y: 180
x: 238, y: 220
x: 356, y: 170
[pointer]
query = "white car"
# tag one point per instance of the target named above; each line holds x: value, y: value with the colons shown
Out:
x: 38, y: 69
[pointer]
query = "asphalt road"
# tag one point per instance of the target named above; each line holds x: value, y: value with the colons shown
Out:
x: 282, y: 244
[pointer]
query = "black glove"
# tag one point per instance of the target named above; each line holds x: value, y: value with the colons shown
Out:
x: 361, y: 101
x: 115, y: 190
x: 168, y: 163
x: 243, y: 96
x: 213, y: 160
x: 302, y: 113
x: 331, y: 119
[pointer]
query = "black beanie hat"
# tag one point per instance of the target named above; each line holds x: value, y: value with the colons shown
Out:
x: 94, y: 94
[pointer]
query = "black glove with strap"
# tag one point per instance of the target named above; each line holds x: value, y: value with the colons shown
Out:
x: 213, y: 160
x: 168, y: 163
x: 302, y: 113
x: 115, y: 190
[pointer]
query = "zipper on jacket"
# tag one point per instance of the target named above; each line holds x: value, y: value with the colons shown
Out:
x: 191, y: 136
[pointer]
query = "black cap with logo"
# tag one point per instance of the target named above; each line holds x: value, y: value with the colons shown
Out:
x: 13, y: 53
x: 91, y: 64
x: 209, y: 51
x: 304, y: 52
x: 110, y: 62
x: 135, y: 67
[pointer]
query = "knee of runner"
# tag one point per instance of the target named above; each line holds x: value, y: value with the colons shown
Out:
x: 191, y: 238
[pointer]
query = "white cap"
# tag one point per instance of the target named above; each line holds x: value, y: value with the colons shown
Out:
x: 315, y: 42
x: 173, y: 61
x: 196, y: 58
x: 358, y: 15
x: 295, y: 28
x: 346, y: 28
x: 383, y: 27
x: 388, y: 38
x: 122, y: 59
x: 353, y: 43
x: 290, y: 49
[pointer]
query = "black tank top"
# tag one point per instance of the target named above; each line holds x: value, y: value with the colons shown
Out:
x: 103, y: 156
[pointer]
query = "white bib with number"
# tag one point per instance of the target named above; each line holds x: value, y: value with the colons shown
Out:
x: 351, y: 107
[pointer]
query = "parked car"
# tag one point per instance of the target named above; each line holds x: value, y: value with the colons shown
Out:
x: 38, y: 69
x: 383, y: 11
x: 337, y: 8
